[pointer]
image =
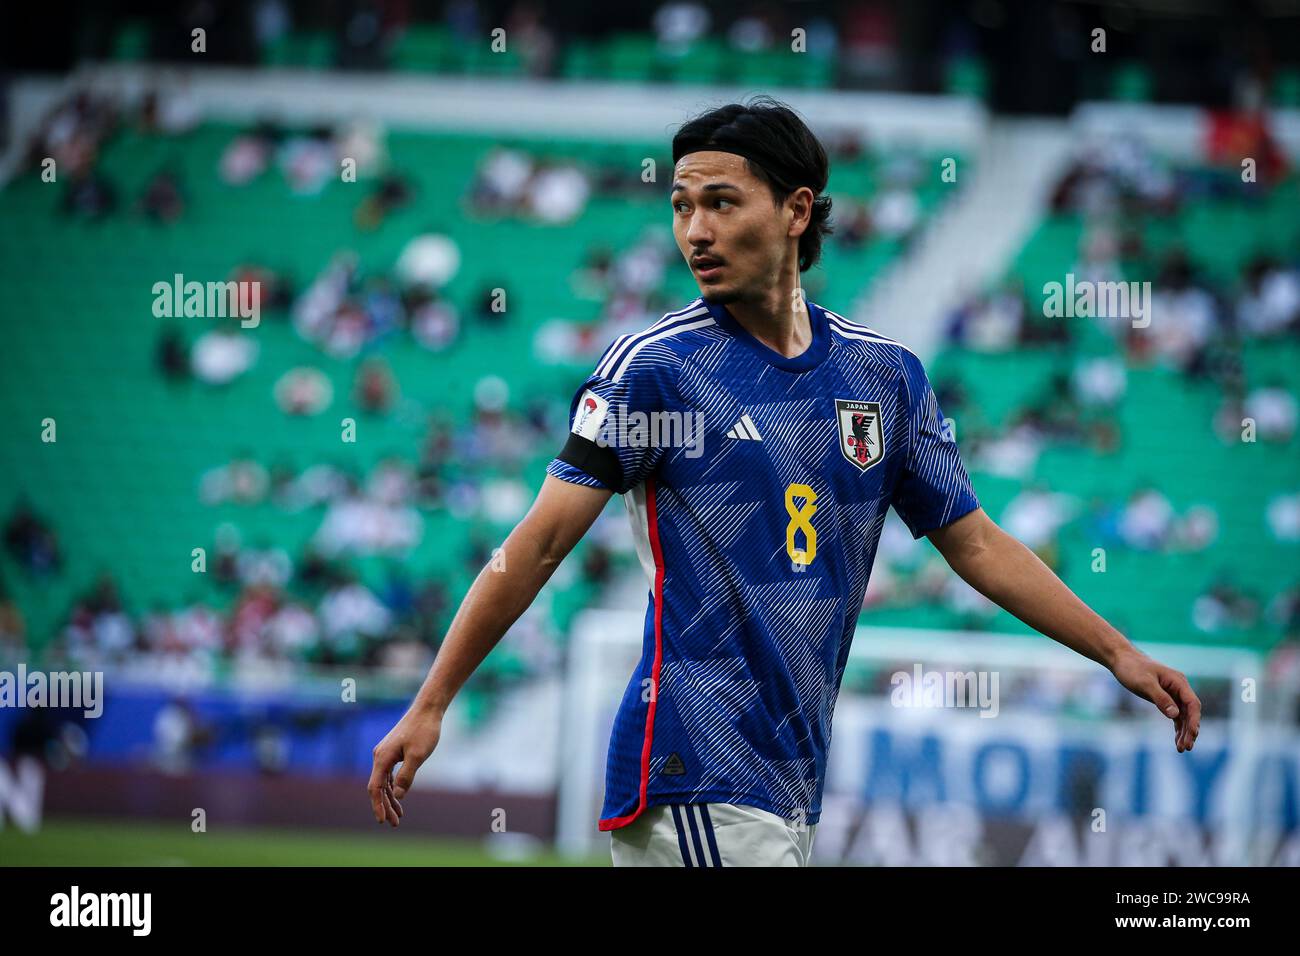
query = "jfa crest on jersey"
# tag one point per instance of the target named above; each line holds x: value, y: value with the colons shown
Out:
x: 861, y: 437
x: 756, y: 527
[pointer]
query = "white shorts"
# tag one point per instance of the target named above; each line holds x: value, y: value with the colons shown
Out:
x: 712, y: 834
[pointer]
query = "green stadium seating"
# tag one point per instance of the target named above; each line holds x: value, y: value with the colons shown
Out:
x: 309, y: 49
x: 1167, y: 437
x: 120, y: 485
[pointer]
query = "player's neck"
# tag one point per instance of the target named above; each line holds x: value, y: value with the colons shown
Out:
x: 779, y: 319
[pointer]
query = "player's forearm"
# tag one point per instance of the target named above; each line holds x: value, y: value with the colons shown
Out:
x: 1012, y: 576
x: 502, y: 592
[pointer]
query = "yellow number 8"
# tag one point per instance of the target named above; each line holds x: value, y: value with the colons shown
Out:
x: 801, y: 520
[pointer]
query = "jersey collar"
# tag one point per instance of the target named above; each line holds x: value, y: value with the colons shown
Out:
x: 811, y: 357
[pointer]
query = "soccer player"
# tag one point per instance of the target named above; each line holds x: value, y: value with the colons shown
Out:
x: 758, y: 440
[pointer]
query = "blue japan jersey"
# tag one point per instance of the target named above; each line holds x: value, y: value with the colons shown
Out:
x: 757, y: 486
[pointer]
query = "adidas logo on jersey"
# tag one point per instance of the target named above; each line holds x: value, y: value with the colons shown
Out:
x: 745, y: 430
x: 673, y: 766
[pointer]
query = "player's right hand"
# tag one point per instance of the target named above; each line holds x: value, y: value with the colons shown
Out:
x: 409, y: 743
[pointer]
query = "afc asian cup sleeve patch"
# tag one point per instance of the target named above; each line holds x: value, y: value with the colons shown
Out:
x: 590, y: 415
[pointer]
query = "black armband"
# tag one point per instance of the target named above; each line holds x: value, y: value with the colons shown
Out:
x: 599, y: 461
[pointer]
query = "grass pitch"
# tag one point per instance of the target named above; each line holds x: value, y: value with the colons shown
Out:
x: 78, y: 842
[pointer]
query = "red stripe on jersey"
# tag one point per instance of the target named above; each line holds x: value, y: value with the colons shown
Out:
x: 652, y: 522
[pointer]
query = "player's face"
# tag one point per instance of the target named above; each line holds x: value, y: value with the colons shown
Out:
x: 727, y: 227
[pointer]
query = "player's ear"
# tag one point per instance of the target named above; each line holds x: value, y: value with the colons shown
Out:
x: 799, y: 206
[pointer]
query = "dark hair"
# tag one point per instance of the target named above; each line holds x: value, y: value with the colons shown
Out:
x: 778, y: 148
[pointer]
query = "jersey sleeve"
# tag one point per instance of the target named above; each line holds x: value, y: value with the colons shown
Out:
x: 605, y: 447
x: 934, y: 488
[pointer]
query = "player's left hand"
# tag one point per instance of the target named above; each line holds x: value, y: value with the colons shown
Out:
x: 1165, y: 687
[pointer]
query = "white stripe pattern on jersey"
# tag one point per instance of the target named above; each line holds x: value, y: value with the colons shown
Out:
x: 853, y: 330
x: 623, y: 342
x: 685, y: 325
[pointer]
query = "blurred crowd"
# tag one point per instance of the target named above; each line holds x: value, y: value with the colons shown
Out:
x: 314, y: 606
x: 273, y: 607
x: 1196, y: 327
x: 69, y: 144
